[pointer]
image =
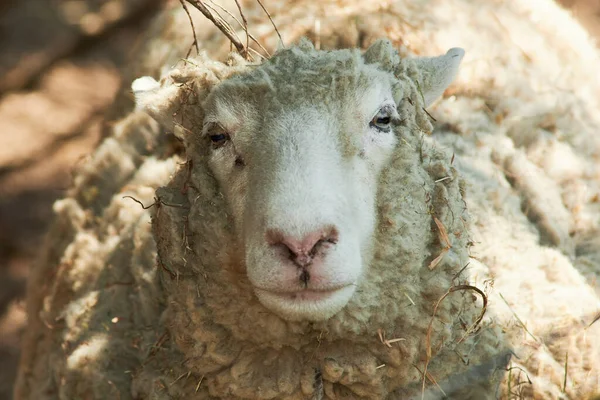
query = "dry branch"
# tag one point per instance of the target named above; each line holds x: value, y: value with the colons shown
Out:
x: 222, y: 25
x: 272, y: 22
x: 195, y: 43
x: 245, y: 22
x: 252, y: 37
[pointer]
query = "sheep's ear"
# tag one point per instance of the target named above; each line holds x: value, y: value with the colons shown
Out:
x: 174, y: 100
x: 143, y: 88
x: 156, y: 99
x: 438, y: 73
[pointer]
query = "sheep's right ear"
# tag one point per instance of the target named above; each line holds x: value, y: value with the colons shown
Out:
x: 156, y: 100
x: 438, y: 73
x: 175, y: 101
x: 142, y: 88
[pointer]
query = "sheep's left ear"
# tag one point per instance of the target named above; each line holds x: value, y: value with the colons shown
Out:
x: 382, y: 52
x: 438, y: 73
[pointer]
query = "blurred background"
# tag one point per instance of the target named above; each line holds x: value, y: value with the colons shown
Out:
x: 61, y: 65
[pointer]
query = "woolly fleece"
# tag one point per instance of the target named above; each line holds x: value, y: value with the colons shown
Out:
x: 118, y: 314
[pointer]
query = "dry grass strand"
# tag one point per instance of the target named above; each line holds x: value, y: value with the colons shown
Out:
x: 443, y: 232
x: 195, y: 43
x: 272, y: 22
x: 222, y: 25
x: 518, y: 319
x: 252, y: 37
x: 387, y: 342
x: 435, y: 308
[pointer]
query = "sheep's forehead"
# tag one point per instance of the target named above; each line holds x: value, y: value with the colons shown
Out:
x: 332, y: 82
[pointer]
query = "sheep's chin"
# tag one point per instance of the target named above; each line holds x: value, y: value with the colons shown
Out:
x: 306, y: 305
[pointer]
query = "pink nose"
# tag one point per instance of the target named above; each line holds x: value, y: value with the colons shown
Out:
x: 303, y: 250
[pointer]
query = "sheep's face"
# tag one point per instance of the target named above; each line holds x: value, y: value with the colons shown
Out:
x: 300, y: 172
x: 297, y: 146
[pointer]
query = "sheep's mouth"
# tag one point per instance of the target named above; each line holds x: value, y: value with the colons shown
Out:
x: 306, y: 304
x: 306, y: 294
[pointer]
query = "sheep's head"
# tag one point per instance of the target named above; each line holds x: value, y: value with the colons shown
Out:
x: 296, y: 146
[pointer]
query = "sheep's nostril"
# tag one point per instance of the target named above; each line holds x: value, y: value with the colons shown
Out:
x: 313, y: 251
x: 303, y: 250
x: 305, y: 277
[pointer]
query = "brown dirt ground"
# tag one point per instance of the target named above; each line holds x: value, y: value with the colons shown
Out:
x: 56, y: 83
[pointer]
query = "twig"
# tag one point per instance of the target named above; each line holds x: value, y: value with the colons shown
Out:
x: 172, y: 274
x: 509, y: 369
x: 157, y: 346
x: 430, y: 327
x: 213, y: 9
x: 420, y: 92
x: 318, y: 34
x: 597, y: 318
x: 157, y: 201
x: 519, y: 383
x: 272, y: 22
x: 517, y: 317
x: 387, y: 342
x: 444, y: 238
x: 431, y: 379
x: 564, y: 388
x: 461, y: 271
x: 429, y: 115
x: 187, y: 375
x: 249, y: 34
x: 140, y: 203
x: 434, y: 263
x: 199, y: 383
x: 258, y: 54
x: 221, y: 24
x: 509, y: 382
x: 193, y: 30
x: 443, y: 232
x: 237, y: 3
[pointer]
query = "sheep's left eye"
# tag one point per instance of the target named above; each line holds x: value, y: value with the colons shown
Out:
x: 382, y: 120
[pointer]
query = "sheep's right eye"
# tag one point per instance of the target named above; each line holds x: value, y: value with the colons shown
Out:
x: 219, y: 139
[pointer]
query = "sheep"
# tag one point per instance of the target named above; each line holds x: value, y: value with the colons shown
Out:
x: 290, y: 174
x: 316, y: 237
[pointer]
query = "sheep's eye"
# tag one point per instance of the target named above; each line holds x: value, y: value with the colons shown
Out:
x: 382, y: 120
x: 219, y: 138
